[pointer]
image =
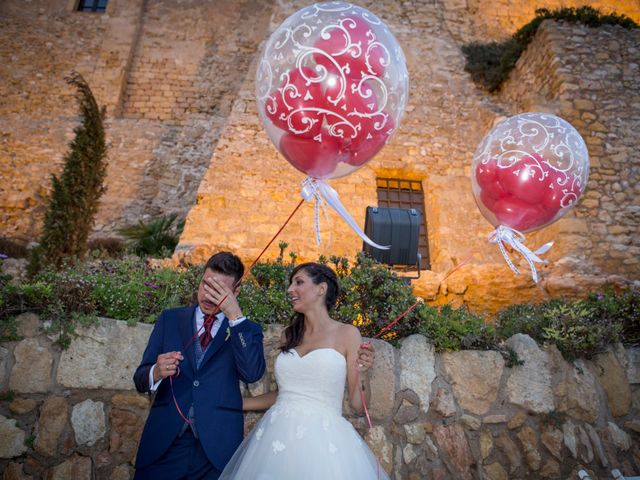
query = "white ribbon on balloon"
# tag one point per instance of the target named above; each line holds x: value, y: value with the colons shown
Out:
x: 313, y: 188
x: 515, y: 239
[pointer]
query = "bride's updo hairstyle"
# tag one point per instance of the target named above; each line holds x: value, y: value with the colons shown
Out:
x: 319, y: 274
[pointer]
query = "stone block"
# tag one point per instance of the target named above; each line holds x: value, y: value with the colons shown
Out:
x: 32, y: 370
x: 54, y: 414
x: 89, y: 422
x: 11, y: 438
x: 417, y: 363
x: 529, y: 385
x: 474, y: 377
x: 93, y: 361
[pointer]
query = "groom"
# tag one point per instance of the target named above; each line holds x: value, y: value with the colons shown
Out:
x: 196, y: 438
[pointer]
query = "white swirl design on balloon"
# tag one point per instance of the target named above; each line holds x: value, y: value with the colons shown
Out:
x: 555, y: 141
x: 527, y: 172
x: 350, y: 56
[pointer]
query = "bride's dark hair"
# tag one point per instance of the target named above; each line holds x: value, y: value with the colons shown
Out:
x: 319, y: 274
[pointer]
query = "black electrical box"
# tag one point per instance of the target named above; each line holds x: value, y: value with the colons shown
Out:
x: 397, y: 227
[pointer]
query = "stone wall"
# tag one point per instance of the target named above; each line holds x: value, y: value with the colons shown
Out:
x: 445, y: 120
x: 463, y: 415
x: 602, y: 100
x: 168, y: 75
x: 482, y: 20
x: 178, y: 83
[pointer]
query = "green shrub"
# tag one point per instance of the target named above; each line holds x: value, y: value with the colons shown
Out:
x: 129, y: 289
x: 372, y: 296
x: 264, y: 293
x: 452, y: 329
x: 123, y: 289
x: 75, y: 193
x: 581, y: 328
x: 157, y: 238
x: 490, y: 63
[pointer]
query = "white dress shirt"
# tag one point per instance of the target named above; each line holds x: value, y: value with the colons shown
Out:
x: 199, y: 328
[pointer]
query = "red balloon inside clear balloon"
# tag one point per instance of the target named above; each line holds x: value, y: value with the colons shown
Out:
x: 370, y: 142
x: 331, y: 74
x: 527, y: 179
x: 317, y: 158
x: 529, y: 171
x: 296, y: 106
x: 518, y: 214
x: 349, y: 44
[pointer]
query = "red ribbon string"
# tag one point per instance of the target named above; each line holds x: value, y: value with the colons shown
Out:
x: 210, y: 318
x: 387, y: 327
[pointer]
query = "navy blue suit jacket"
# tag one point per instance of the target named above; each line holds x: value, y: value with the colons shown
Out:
x: 213, y: 389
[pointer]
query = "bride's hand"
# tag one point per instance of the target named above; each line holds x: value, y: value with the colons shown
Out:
x: 366, y: 356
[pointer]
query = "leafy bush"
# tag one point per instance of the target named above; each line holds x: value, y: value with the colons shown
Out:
x: 372, y: 296
x: 124, y: 289
x: 157, y: 238
x: 75, y: 193
x: 455, y: 329
x: 579, y: 329
x: 264, y: 293
x: 490, y: 63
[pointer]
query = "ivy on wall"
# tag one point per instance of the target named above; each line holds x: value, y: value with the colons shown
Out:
x: 490, y: 63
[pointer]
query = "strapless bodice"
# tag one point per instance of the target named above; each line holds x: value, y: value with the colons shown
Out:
x: 316, y: 379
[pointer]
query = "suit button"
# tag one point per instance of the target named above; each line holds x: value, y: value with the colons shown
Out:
x: 196, y: 383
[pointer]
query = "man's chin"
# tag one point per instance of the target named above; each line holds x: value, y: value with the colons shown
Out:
x: 207, y: 308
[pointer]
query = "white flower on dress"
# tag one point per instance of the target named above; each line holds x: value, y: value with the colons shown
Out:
x: 259, y: 433
x: 300, y: 431
x: 325, y: 423
x: 332, y: 448
x: 277, y: 446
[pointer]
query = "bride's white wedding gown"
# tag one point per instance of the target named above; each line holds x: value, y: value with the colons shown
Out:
x: 303, y: 436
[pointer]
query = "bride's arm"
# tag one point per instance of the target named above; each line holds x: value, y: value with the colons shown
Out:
x: 259, y: 402
x: 359, y: 360
x: 264, y: 401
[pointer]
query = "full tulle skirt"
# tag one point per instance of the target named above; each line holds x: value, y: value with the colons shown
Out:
x: 303, y: 442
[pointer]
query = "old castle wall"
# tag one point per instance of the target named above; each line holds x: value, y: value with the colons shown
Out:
x: 177, y: 80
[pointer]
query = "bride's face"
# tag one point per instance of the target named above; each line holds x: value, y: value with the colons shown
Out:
x: 304, y: 294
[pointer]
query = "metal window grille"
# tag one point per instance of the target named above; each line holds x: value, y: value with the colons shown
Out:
x: 92, y: 6
x: 399, y: 193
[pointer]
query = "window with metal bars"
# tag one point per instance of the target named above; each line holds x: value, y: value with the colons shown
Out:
x: 399, y: 193
x: 92, y: 6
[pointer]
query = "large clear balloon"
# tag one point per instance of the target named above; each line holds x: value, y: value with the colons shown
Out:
x: 331, y: 88
x: 529, y: 171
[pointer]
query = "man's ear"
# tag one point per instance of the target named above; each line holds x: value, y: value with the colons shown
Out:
x: 236, y: 290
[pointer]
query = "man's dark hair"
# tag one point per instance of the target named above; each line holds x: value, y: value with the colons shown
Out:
x: 226, y: 263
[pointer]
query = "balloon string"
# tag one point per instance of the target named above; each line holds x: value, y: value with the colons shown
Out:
x: 387, y: 327
x: 366, y: 413
x: 321, y: 191
x: 506, y: 235
x: 210, y: 317
x: 397, y: 319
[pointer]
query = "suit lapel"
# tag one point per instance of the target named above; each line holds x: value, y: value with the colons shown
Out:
x: 187, y: 334
x: 218, y: 341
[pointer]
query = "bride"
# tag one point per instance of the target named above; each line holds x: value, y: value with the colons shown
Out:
x: 303, y: 434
